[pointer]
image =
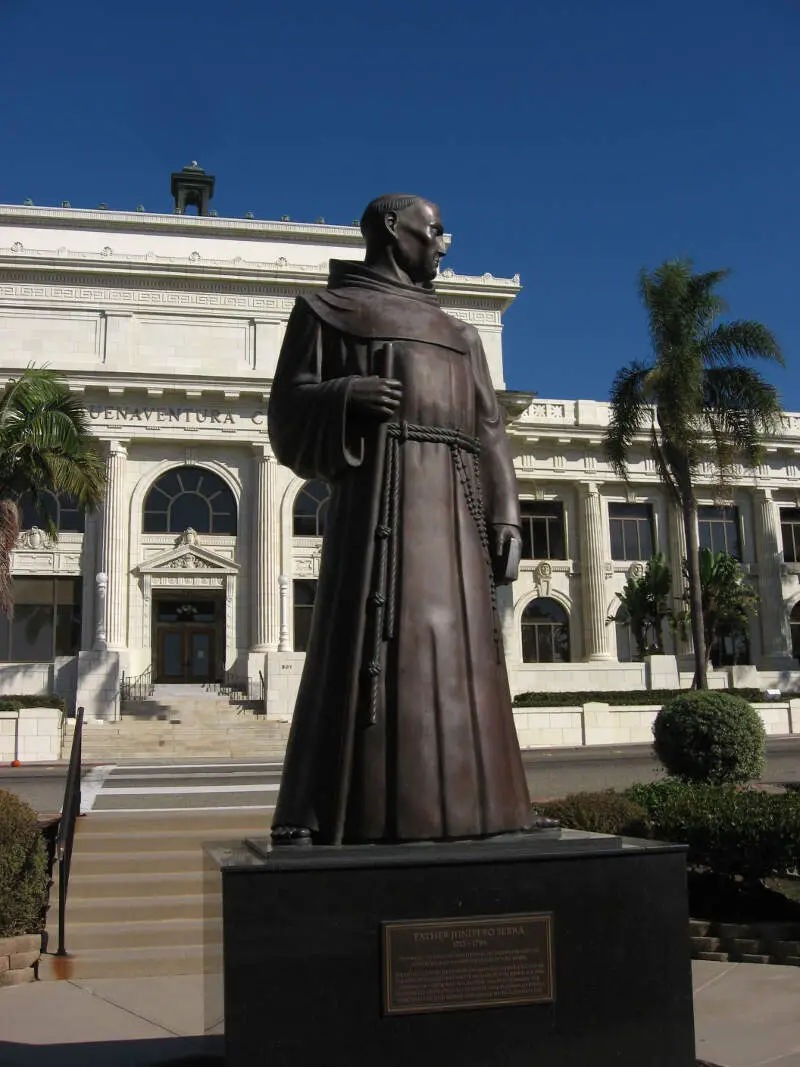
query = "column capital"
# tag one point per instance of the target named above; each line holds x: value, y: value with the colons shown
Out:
x: 262, y: 451
x: 764, y: 492
x: 590, y: 488
x: 117, y: 447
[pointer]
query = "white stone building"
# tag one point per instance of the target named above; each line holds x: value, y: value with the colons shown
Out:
x: 203, y: 560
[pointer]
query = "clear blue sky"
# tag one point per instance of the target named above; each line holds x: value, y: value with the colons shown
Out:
x: 571, y: 141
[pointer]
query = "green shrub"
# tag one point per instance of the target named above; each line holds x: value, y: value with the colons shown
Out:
x: 731, y: 831
x: 602, y: 813
x: 704, y: 736
x: 23, y: 868
x: 618, y: 698
x: 27, y: 700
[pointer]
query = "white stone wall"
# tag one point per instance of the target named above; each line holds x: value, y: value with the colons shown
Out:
x: 30, y: 735
x: 601, y: 724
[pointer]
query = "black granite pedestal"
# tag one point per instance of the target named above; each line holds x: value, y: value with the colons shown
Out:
x: 555, y: 949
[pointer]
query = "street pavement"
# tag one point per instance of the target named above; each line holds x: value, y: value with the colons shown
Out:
x: 208, y: 783
x: 745, y: 1016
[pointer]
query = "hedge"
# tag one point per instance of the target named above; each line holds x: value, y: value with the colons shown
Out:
x: 620, y: 697
x: 23, y: 868
x: 42, y: 700
x: 730, y: 830
x: 606, y: 812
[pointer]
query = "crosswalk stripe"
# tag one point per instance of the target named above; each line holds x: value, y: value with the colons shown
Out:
x: 160, y: 790
x: 120, y: 776
x: 173, y: 811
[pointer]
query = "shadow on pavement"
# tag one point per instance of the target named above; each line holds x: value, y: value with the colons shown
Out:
x: 161, y: 1052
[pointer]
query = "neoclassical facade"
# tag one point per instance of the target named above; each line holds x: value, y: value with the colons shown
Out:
x: 203, y: 559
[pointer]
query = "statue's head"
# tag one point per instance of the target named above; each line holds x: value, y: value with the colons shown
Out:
x: 411, y: 228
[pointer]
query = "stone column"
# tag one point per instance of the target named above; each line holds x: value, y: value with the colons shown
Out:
x: 776, y: 640
x: 595, y: 628
x: 264, y: 555
x: 284, y: 644
x: 114, y: 546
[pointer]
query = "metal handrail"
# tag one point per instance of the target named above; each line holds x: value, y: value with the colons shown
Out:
x: 66, y: 827
x: 138, y: 688
x: 246, y: 689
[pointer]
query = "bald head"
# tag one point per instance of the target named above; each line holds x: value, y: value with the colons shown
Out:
x: 404, y: 232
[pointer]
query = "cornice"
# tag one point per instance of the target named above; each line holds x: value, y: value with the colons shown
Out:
x: 202, y: 225
x: 149, y: 271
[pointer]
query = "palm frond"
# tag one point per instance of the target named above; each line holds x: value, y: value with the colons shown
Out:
x: 629, y: 414
x: 730, y: 342
x: 739, y: 408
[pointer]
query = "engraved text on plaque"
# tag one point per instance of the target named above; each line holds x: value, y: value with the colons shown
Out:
x: 446, y: 964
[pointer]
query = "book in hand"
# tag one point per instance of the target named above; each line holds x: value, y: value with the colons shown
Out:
x: 507, y: 566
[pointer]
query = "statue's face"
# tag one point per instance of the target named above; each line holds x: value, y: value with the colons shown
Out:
x: 419, y: 241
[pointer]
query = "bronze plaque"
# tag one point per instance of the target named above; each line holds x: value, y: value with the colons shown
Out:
x: 447, y: 964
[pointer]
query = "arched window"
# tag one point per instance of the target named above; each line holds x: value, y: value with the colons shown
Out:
x: 545, y: 632
x: 63, y: 511
x: 627, y: 645
x: 311, y: 509
x: 190, y: 497
x: 794, y: 623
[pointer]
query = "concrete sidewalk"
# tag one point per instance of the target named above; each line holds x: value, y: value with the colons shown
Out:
x: 746, y: 1015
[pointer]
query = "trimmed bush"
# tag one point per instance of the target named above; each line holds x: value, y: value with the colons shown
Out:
x: 731, y: 831
x: 619, y: 697
x: 26, y: 700
x: 606, y: 812
x: 704, y: 736
x: 23, y: 868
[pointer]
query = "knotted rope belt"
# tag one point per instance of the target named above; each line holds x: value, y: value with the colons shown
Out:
x: 384, y: 592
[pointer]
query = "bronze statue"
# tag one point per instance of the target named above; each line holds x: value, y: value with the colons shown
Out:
x: 403, y: 728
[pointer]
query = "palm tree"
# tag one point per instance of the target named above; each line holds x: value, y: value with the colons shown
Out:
x: 696, y: 400
x: 45, y: 445
x: 728, y: 599
x: 644, y: 605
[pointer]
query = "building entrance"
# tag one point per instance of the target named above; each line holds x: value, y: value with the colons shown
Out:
x: 189, y: 637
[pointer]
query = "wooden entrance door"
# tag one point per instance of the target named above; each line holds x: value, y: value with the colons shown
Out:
x: 186, y: 653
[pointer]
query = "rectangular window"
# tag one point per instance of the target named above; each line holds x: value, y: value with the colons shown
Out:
x: 46, y: 623
x: 543, y: 529
x: 631, y: 529
x: 718, y: 529
x: 305, y: 593
x: 790, y: 531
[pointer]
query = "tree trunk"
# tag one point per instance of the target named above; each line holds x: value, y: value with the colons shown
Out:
x: 9, y: 532
x: 695, y: 591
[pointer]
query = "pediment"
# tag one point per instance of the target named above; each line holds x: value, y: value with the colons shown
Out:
x: 188, y: 557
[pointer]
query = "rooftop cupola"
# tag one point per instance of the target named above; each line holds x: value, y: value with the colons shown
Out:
x: 192, y: 187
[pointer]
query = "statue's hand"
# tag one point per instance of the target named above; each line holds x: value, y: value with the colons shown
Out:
x: 375, y: 398
x: 505, y: 541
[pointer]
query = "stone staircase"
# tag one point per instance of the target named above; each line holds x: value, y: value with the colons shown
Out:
x: 136, y: 893
x: 179, y: 722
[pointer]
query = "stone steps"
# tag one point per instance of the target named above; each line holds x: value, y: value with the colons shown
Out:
x: 150, y: 738
x: 138, y: 895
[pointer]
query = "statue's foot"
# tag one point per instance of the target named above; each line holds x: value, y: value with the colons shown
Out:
x: 291, y: 835
x: 542, y: 822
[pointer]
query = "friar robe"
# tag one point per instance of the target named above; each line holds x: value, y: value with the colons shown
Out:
x: 419, y: 742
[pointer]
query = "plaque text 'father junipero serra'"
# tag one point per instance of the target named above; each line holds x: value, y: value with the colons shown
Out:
x: 447, y: 964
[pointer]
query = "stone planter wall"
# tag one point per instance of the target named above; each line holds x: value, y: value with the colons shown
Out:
x: 18, y: 956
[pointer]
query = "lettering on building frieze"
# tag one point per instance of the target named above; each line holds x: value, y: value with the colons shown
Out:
x: 182, y: 580
x: 178, y: 414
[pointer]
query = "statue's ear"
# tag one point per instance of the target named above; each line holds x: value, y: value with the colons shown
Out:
x: 390, y: 222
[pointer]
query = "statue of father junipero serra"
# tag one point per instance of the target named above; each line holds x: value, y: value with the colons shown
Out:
x: 403, y: 729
